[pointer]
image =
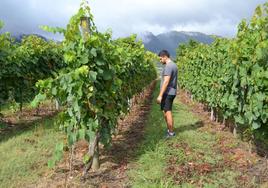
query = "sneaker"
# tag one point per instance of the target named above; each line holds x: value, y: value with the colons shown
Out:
x: 170, y: 134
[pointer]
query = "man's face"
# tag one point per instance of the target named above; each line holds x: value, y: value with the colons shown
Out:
x: 163, y: 59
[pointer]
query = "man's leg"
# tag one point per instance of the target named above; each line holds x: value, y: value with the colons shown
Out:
x: 165, y: 117
x: 169, y: 120
x: 166, y: 106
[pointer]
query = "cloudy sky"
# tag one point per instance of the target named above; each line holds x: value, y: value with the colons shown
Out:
x: 124, y: 17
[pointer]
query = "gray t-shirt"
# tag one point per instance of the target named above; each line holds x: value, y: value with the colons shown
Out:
x: 170, y: 69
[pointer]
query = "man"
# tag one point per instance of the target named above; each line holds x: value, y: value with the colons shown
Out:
x: 168, y: 89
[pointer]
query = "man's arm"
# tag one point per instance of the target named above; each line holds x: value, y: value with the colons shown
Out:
x: 163, y: 88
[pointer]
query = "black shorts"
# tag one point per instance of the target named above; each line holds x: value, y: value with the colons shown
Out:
x: 167, y: 101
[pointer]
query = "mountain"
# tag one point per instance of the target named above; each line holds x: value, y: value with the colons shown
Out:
x: 155, y: 43
x: 19, y: 37
x: 171, y: 40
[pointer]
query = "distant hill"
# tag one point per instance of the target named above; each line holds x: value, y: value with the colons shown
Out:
x: 18, y: 38
x: 155, y: 43
x: 171, y: 40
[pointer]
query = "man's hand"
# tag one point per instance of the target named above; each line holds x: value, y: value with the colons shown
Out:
x: 159, y: 99
x: 163, y: 89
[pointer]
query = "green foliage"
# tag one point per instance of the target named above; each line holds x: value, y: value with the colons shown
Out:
x: 22, y: 64
x: 231, y: 74
x: 99, y: 77
x: 58, y: 153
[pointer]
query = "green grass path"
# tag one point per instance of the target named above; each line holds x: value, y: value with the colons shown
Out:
x: 24, y: 153
x: 187, y: 160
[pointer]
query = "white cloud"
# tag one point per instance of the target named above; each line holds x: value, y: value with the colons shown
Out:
x: 219, y: 17
x: 219, y: 26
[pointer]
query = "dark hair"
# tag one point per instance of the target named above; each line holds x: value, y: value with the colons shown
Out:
x: 164, y: 53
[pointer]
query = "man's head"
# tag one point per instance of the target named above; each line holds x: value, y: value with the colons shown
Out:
x: 164, y: 56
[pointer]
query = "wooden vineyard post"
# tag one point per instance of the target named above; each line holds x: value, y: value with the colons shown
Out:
x: 212, y: 114
x: 94, y: 142
x: 85, y: 27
